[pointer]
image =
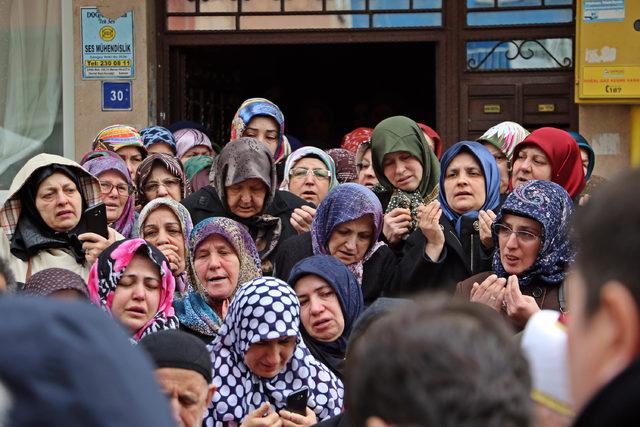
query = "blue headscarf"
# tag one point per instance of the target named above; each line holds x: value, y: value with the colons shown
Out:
x: 584, y: 145
x: 344, y: 284
x: 491, y: 178
x: 157, y: 134
x: 550, y: 205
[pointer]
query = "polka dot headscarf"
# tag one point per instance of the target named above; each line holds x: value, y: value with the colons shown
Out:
x: 265, y: 309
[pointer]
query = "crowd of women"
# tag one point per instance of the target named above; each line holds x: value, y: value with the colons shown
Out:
x: 270, y: 253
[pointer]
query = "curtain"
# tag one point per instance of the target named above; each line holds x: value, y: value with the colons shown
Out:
x: 30, y: 77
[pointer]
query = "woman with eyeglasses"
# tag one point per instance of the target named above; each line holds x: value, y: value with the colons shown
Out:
x: 244, y: 188
x: 115, y: 189
x: 310, y: 174
x: 160, y: 175
x: 531, y: 233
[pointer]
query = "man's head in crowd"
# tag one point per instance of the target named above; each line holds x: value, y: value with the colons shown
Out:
x: 604, y: 287
x: 183, y: 369
x: 438, y: 362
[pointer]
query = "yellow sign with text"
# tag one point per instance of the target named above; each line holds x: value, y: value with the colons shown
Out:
x: 611, y: 82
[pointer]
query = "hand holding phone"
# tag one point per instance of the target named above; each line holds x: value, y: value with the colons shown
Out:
x: 95, y: 219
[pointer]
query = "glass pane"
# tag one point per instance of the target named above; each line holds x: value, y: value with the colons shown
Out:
x: 480, y: 3
x: 427, y: 4
x: 299, y: 22
x: 520, y: 17
x: 345, y: 4
x: 558, y: 2
x: 201, y: 23
x: 399, y: 20
x: 302, y: 5
x: 181, y: 6
x: 519, y: 3
x: 261, y: 6
x: 519, y: 54
x: 388, y: 4
x: 219, y: 6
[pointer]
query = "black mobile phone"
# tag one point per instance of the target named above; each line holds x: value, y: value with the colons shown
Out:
x: 95, y: 219
x: 297, y: 401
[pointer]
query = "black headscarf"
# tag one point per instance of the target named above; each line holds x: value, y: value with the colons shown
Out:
x: 32, y: 233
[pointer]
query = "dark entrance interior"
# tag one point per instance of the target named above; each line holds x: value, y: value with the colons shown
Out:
x: 323, y: 90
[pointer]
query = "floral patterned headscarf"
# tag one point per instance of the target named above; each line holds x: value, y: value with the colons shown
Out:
x: 109, y: 269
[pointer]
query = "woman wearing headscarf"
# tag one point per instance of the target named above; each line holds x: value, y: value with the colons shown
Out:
x: 160, y: 175
x: 197, y: 171
x: 131, y: 280
x: 433, y: 139
x: 191, y: 143
x: 243, y: 188
x: 501, y: 140
x: 57, y: 283
x: 345, y: 162
x: 43, y: 219
x: 167, y: 225
x: 222, y: 257
x: 262, y: 119
x: 408, y: 169
x: 450, y: 231
x: 116, y: 189
x: 330, y: 302
x: 264, y: 319
x: 549, y: 154
x: 157, y: 139
x: 353, y: 139
x: 586, y: 154
x: 531, y: 234
x: 124, y: 140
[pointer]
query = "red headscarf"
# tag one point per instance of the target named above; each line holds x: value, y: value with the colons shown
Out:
x: 563, y: 155
x: 437, y: 143
x: 353, y: 139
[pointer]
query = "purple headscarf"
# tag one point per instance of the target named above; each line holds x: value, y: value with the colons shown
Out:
x: 96, y: 166
x: 344, y: 203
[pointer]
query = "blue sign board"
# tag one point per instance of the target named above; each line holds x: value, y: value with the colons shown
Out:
x: 116, y: 96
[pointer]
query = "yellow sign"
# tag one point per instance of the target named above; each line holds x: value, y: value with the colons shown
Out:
x: 607, y: 62
x: 610, y: 82
x: 491, y: 108
x: 546, y: 108
x: 107, y: 33
x: 107, y: 63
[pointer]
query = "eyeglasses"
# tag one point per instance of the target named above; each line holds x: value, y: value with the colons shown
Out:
x: 122, y: 189
x: 504, y: 232
x: 317, y: 172
x: 168, y: 183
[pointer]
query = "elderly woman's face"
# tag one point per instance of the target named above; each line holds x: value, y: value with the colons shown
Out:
x: 160, y: 147
x: 161, y: 183
x: 117, y: 195
x: 162, y: 229
x: 305, y: 184
x: 268, y: 358
x: 403, y: 170
x: 246, y: 198
x: 132, y: 156
x: 350, y: 240
x: 320, y: 310
x: 217, y: 266
x: 531, y: 163
x: 518, y: 253
x: 366, y: 174
x: 464, y: 184
x: 264, y: 129
x: 198, y: 150
x: 59, y: 202
x: 137, y: 296
x: 503, y: 165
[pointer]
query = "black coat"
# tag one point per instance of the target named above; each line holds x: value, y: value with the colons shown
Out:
x: 378, y: 272
x: 205, y: 203
x: 461, y: 257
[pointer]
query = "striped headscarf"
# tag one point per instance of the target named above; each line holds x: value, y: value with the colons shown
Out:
x: 170, y: 163
x: 505, y: 136
x: 188, y: 138
x: 259, y: 107
x: 118, y: 136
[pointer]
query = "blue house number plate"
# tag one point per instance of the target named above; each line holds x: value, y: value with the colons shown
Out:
x: 116, y: 96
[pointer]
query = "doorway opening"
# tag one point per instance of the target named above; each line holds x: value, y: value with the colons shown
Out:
x: 323, y: 90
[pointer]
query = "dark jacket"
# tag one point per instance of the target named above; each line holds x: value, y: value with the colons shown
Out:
x: 547, y: 296
x: 460, y: 258
x: 378, y: 273
x: 205, y: 203
x: 616, y: 404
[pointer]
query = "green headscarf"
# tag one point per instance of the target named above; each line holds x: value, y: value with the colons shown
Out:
x: 400, y: 133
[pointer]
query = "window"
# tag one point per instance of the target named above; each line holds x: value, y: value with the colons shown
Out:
x: 520, y: 54
x: 518, y: 12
